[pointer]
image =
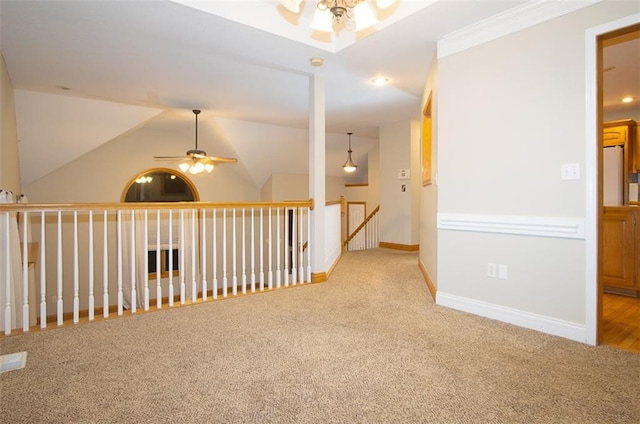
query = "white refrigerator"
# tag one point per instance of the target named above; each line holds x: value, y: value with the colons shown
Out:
x: 612, y: 178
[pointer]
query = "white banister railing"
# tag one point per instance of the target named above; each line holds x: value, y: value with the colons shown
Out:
x: 370, y: 229
x: 210, y: 244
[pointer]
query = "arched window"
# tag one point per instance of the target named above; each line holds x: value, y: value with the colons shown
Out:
x: 160, y: 185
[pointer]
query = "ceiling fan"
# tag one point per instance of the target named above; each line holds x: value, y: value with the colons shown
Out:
x: 196, y: 160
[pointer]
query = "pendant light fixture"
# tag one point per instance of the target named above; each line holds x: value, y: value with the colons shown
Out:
x: 349, y: 166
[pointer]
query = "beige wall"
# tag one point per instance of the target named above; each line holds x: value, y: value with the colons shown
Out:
x: 9, y: 159
x: 398, y: 209
x: 429, y: 193
x: 370, y: 194
x: 510, y: 112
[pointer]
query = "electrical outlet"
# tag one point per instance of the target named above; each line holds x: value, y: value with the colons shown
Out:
x: 502, y: 271
x: 491, y: 270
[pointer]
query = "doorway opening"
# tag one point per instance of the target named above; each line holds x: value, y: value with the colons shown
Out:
x: 618, y: 210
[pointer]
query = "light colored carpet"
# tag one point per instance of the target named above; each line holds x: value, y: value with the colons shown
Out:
x: 368, y: 346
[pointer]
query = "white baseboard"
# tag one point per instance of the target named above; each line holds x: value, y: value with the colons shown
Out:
x: 529, y: 320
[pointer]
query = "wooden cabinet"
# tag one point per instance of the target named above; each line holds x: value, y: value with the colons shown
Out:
x: 615, y: 135
x: 636, y: 148
x: 621, y: 245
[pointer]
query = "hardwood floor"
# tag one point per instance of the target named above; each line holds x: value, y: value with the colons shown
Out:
x: 621, y: 321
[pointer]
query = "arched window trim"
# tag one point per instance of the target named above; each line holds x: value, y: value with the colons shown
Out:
x: 183, y: 177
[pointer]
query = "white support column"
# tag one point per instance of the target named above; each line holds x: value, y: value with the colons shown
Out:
x: 317, y: 174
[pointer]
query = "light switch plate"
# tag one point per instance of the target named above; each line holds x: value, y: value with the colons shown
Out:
x: 570, y: 171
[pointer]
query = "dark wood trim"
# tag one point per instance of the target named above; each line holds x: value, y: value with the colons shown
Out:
x: 357, y: 185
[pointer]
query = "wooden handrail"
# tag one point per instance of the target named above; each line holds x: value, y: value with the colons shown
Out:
x: 361, y: 226
x: 35, y: 207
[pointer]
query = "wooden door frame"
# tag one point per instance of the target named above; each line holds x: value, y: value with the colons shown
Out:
x: 594, y: 203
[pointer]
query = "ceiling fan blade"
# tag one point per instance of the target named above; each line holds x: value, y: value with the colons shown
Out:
x: 221, y: 159
x: 170, y: 157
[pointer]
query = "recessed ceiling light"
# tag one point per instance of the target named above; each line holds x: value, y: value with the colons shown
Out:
x: 316, y: 61
x: 380, y: 80
x: 628, y: 99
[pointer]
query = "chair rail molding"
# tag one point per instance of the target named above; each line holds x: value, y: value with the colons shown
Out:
x: 560, y: 227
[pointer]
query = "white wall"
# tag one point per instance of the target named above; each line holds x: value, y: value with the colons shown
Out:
x: 398, y: 209
x: 102, y: 174
x: 429, y: 193
x: 510, y: 112
x: 9, y: 163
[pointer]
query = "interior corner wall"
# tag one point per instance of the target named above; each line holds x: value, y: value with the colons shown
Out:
x: 397, y: 200
x: 9, y: 158
x: 102, y: 174
x: 429, y: 193
x: 266, y: 192
x: 510, y: 112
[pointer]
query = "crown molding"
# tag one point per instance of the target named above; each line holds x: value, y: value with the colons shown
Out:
x: 521, y: 17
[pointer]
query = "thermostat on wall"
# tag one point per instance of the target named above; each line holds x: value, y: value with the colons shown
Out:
x: 404, y: 174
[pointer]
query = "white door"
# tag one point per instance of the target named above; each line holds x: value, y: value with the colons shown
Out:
x: 355, y: 216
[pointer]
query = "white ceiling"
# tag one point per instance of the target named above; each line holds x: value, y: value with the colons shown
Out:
x: 133, y: 63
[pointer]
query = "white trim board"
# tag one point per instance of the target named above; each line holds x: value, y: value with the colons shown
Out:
x: 566, y: 329
x: 591, y: 168
x: 561, y: 227
x: 513, y: 20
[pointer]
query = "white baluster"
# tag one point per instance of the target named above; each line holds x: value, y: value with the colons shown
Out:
x: 308, y: 244
x: 204, y: 255
x: 119, y: 256
x: 278, y: 273
x: 214, y: 257
x: 194, y: 284
x: 294, y: 249
x: 224, y: 253
x: 244, y: 255
x: 76, y: 285
x: 234, y: 279
x: 7, y: 277
x: 182, y: 270
x: 158, y: 269
x: 270, y: 274
x: 145, y: 269
x: 261, y: 272
x: 300, y: 248
x: 25, y: 273
x: 170, y: 229
x: 91, y: 270
x: 253, y: 254
x: 59, y: 309
x: 132, y: 259
x: 43, y: 274
x: 286, y: 247
x: 105, y: 269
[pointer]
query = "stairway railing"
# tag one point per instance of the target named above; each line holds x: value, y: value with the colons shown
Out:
x: 366, y: 235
